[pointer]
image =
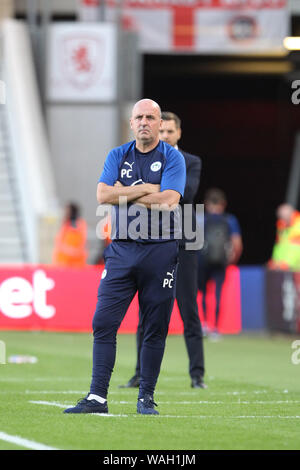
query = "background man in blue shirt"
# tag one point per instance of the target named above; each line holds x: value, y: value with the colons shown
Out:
x: 222, y: 246
x: 143, y: 172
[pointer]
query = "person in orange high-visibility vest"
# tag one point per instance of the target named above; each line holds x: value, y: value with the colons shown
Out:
x: 70, y: 243
x: 286, y: 251
x: 104, y: 233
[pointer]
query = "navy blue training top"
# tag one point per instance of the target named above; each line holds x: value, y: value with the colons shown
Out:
x: 163, y: 165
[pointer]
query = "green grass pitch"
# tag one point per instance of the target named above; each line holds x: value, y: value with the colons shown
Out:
x: 252, y: 400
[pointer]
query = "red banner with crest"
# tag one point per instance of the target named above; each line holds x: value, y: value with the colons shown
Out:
x: 207, y: 26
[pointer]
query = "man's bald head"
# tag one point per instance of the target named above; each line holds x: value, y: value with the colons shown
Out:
x: 146, y: 102
x: 145, y: 123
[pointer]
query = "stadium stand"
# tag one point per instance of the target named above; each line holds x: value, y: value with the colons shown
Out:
x: 12, y: 246
x: 28, y: 195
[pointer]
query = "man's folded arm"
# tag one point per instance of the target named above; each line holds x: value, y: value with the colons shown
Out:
x: 167, y: 199
x: 107, y: 194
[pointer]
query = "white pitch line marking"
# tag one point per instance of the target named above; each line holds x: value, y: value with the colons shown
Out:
x: 49, y: 403
x: 231, y: 417
x: 56, y: 392
x: 109, y: 415
x: 61, y: 405
x: 127, y: 392
x: 204, y: 402
x: 265, y: 417
x: 113, y: 392
x: 200, y: 402
x: 20, y: 441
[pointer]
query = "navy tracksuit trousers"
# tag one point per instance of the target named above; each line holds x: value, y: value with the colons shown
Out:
x: 186, y: 296
x: 130, y: 266
x: 208, y: 272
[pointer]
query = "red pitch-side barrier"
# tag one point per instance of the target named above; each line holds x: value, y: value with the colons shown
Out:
x: 42, y: 297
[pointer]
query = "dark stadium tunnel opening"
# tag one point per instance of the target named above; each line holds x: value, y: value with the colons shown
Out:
x: 243, y: 127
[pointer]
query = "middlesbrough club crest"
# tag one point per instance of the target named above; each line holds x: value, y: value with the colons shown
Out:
x: 83, y: 60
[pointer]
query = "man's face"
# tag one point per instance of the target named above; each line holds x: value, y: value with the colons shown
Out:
x: 145, y: 122
x: 169, y: 132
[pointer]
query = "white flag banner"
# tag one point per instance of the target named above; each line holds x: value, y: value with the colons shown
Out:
x: 241, y: 32
x: 82, y: 62
x: 206, y: 26
x: 88, y: 10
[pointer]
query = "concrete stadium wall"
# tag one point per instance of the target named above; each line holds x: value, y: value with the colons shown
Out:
x: 80, y: 138
x: 28, y: 138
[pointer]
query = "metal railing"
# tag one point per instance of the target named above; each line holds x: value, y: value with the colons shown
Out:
x: 12, y: 236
